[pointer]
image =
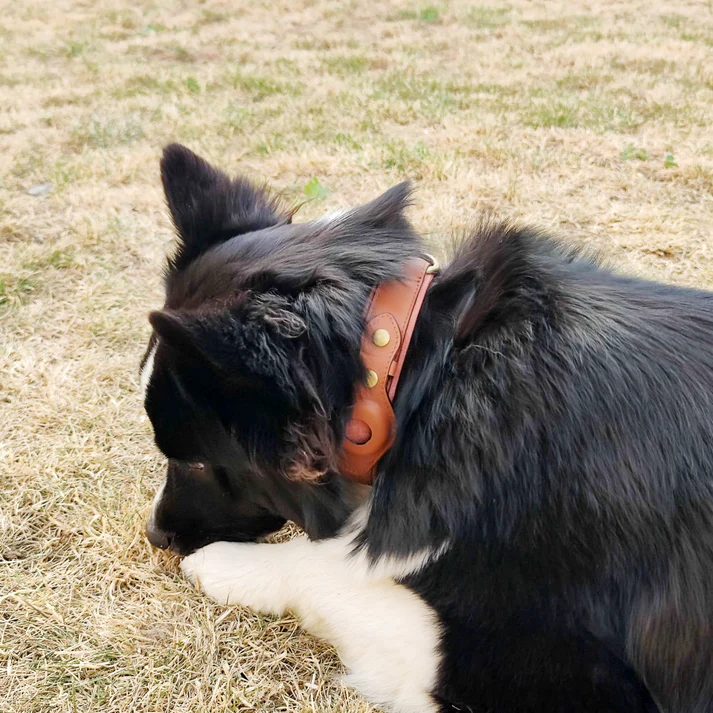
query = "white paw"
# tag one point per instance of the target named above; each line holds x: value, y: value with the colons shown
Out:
x: 213, y: 569
x: 254, y: 575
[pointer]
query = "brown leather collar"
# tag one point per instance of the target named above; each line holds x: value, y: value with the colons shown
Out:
x: 391, y: 316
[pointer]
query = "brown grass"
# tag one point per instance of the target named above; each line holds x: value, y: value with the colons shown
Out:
x: 593, y: 119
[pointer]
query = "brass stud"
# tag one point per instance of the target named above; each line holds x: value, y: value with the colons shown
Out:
x: 372, y: 378
x: 381, y: 337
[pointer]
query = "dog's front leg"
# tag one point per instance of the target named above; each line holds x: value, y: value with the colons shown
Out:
x: 386, y: 635
x: 263, y: 577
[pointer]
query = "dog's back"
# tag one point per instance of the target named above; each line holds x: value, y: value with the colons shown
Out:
x: 583, y: 404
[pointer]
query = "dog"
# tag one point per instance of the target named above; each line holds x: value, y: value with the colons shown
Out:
x: 539, y: 535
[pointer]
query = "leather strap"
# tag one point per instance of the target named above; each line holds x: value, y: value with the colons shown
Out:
x: 393, y: 307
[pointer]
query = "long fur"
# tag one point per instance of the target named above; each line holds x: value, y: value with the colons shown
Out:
x: 554, y: 445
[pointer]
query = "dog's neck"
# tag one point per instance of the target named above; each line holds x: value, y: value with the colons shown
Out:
x: 391, y: 316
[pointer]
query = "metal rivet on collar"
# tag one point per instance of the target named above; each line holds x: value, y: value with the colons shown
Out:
x: 381, y: 337
x: 372, y: 378
x: 434, y: 267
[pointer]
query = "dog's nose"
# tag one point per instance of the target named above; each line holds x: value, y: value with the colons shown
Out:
x: 159, y: 538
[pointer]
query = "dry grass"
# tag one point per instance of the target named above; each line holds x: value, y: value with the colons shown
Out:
x: 592, y: 118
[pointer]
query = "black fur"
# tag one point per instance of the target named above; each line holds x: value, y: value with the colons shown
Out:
x: 555, y: 428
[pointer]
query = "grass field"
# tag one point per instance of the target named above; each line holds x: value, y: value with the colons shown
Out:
x: 593, y: 119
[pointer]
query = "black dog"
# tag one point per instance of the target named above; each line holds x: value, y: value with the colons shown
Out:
x: 540, y: 536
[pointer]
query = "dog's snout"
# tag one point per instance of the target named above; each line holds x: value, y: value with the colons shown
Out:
x: 158, y: 537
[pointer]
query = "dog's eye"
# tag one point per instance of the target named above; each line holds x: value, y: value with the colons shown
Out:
x: 196, y: 466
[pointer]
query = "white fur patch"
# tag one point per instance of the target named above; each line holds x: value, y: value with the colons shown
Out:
x: 387, y: 567
x: 147, y: 369
x: 385, y: 634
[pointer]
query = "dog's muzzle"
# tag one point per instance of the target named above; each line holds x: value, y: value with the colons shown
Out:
x: 158, y: 537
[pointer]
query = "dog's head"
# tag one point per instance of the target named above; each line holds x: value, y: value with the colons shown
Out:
x: 251, y: 368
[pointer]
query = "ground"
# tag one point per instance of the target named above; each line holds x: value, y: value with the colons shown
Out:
x: 592, y: 119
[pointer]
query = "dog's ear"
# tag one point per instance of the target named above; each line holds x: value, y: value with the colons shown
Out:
x: 207, y: 207
x: 178, y: 330
x: 259, y: 348
x: 233, y: 343
x: 371, y: 242
x: 386, y: 211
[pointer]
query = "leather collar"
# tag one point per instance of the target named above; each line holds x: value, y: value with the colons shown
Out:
x: 391, y: 316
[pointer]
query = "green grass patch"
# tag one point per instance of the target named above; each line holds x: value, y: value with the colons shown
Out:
x: 557, y: 114
x: 482, y: 17
x: 145, y: 85
x: 405, y: 159
x: 669, y: 161
x: 270, y: 145
x: 65, y: 171
x: 59, y: 259
x: 347, y: 141
x: 260, y: 87
x: 75, y: 48
x: 15, y: 291
x: 620, y: 110
x: 698, y: 38
x: 343, y: 66
x: 673, y: 21
x: 105, y: 132
x: 634, y: 153
x: 429, y: 14
x: 430, y: 94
